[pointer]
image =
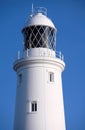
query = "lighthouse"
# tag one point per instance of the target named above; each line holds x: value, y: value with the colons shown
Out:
x: 39, y: 95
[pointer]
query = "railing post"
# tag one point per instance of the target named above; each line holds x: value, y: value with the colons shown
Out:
x: 60, y: 55
x: 18, y: 55
x: 27, y: 53
x: 63, y: 57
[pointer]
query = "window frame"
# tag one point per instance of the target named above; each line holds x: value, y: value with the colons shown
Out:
x: 19, y: 79
x: 34, y: 106
x: 51, y: 77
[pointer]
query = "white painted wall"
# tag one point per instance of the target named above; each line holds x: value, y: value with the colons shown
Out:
x: 35, y: 86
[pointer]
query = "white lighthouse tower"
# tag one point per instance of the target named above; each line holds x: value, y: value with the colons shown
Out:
x: 39, y: 97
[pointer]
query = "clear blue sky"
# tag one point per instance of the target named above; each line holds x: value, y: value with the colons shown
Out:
x: 69, y: 18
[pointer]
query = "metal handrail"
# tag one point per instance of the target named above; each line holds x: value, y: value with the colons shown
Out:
x: 59, y: 55
x: 20, y: 55
x: 40, y: 10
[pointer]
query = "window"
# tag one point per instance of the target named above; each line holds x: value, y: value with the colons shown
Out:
x: 51, y: 77
x: 34, y: 106
x: 39, y: 36
x: 19, y: 79
x: 31, y: 106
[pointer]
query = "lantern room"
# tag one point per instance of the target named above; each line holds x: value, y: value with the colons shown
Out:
x: 39, y: 31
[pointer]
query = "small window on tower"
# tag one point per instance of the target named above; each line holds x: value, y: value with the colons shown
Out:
x: 20, y: 78
x: 34, y: 106
x: 51, y: 77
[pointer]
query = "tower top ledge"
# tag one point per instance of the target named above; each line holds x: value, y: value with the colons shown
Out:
x: 39, y: 17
